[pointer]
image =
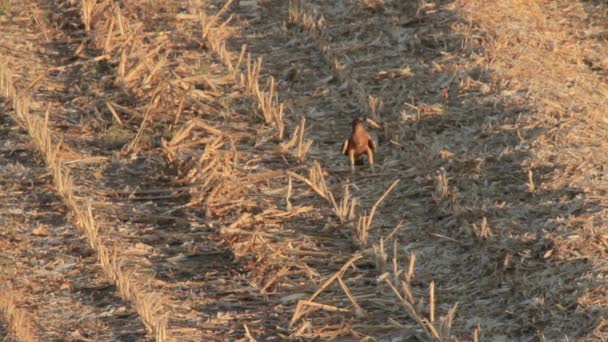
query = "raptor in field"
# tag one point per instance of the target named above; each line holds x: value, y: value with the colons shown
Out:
x: 359, y: 143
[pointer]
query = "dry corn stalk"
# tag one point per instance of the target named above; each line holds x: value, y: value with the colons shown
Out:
x: 18, y: 321
x: 86, y: 12
x: 345, y: 210
x: 302, y: 304
x: 441, y: 186
x: 301, y: 146
x: 365, y: 221
x: 482, y: 231
x: 434, y: 331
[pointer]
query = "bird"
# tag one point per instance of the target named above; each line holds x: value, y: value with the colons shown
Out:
x: 359, y: 143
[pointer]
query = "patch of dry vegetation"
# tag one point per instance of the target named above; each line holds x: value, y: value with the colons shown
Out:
x: 549, y: 51
x: 147, y: 304
x: 489, y: 162
x: 530, y: 44
x: 255, y: 235
x: 215, y: 34
x: 18, y: 321
x: 221, y: 169
x: 502, y: 117
x: 309, y: 19
x: 249, y: 204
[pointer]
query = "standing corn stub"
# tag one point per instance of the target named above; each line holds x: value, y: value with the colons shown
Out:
x: 359, y: 143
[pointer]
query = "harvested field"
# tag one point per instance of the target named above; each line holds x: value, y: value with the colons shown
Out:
x: 49, y: 272
x: 171, y: 170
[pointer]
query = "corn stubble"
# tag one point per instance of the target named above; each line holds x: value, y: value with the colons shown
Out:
x: 271, y: 193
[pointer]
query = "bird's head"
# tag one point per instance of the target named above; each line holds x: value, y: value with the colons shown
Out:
x: 361, y: 121
x: 358, y: 122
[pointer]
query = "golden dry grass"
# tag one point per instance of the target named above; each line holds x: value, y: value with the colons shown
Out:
x: 528, y: 43
x: 18, y: 321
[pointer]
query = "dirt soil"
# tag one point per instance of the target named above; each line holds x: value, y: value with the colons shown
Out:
x: 483, y: 218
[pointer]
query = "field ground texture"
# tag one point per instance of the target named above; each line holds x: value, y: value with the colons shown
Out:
x: 171, y: 170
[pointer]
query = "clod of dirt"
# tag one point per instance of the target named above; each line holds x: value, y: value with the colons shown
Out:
x: 115, y: 137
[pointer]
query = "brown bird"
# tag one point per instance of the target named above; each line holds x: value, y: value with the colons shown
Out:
x: 359, y: 143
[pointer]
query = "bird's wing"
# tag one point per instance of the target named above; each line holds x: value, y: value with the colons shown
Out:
x: 345, y: 147
x: 371, y: 143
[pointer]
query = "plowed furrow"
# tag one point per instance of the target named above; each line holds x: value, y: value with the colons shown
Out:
x: 48, y: 266
x: 310, y: 87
